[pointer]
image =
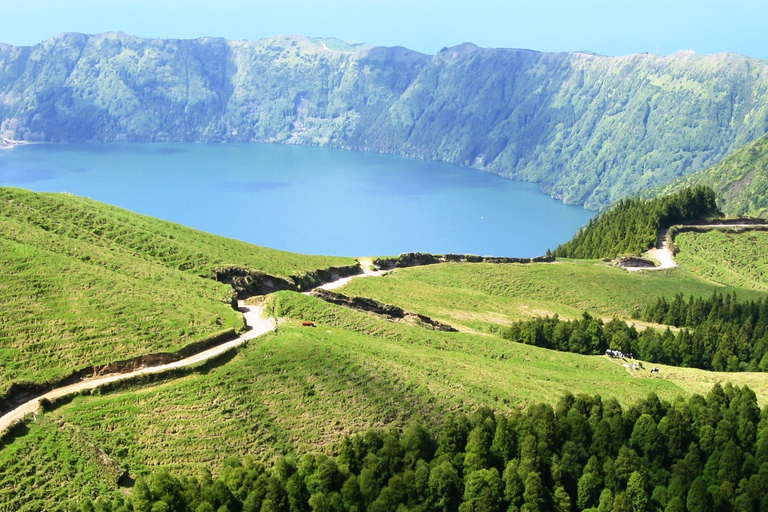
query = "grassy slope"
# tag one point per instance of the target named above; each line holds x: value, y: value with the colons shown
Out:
x: 720, y: 257
x: 49, y: 465
x: 171, y: 244
x: 740, y: 180
x: 480, y: 295
x: 85, y: 283
x: 302, y: 389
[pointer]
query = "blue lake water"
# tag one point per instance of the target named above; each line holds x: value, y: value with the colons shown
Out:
x: 306, y: 199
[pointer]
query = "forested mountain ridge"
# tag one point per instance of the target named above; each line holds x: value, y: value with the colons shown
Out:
x: 740, y: 181
x: 590, y: 129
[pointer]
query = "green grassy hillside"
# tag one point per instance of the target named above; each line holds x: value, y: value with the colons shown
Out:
x: 720, y: 257
x: 86, y: 281
x: 590, y: 129
x: 740, y: 181
x: 87, y: 284
x: 479, y: 296
x: 303, y: 389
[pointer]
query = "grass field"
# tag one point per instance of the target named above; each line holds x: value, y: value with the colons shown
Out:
x: 87, y: 284
x: 302, y: 389
x: 479, y: 296
x: 118, y: 283
x: 719, y: 256
x: 51, y: 464
x: 171, y: 244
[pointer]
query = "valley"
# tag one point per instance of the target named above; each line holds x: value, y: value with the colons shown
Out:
x: 588, y: 129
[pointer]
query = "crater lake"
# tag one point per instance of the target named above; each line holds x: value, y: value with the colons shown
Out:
x: 306, y: 199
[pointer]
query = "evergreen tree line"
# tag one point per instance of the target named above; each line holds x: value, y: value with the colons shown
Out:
x: 632, y: 225
x: 696, y: 454
x: 740, y: 328
x: 718, y: 345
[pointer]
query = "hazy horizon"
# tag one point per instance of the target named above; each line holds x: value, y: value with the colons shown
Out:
x: 610, y: 28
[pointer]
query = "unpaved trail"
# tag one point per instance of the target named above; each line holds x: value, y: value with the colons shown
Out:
x: 663, y: 254
x: 257, y: 324
x: 365, y: 263
x: 254, y: 319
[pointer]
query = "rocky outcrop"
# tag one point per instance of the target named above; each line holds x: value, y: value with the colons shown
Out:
x: 375, y: 307
x: 248, y: 282
x: 633, y: 262
x: 315, y: 278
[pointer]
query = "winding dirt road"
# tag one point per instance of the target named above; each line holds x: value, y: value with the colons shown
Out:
x: 257, y: 324
x: 254, y: 319
x: 365, y: 263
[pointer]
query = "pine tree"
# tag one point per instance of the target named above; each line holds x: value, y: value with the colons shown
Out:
x: 636, y: 492
x: 698, y: 497
x: 535, y: 497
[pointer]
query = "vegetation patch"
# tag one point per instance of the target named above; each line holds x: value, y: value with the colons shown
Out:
x: 733, y: 259
x: 482, y: 297
x: 632, y: 225
x: 740, y: 180
x: 586, y: 453
x: 86, y: 284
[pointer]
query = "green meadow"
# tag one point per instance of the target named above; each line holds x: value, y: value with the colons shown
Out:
x: 302, y: 389
x: 719, y: 257
x: 118, y: 284
x: 481, y: 296
x: 87, y: 284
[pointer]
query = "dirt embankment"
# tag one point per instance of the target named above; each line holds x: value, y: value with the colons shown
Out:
x: 248, y: 282
x: 375, y: 307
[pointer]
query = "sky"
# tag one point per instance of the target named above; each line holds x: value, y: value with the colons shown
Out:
x: 608, y: 27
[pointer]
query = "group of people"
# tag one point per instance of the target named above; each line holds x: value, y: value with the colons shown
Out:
x: 618, y: 354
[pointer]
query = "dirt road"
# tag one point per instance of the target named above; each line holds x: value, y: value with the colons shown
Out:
x: 365, y: 263
x: 257, y: 324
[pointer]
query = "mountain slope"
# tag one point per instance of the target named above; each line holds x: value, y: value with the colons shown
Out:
x: 89, y: 284
x: 590, y: 129
x: 740, y: 181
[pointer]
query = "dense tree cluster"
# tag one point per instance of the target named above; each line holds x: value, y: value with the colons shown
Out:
x: 700, y: 454
x: 733, y: 334
x: 716, y: 344
x: 632, y: 225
